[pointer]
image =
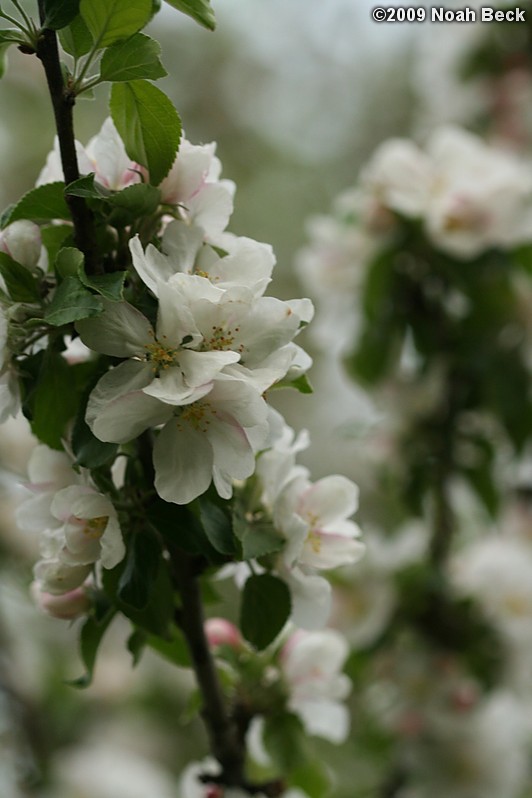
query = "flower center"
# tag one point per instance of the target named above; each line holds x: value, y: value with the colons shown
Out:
x: 95, y: 527
x: 160, y: 356
x: 220, y: 339
x: 198, y: 415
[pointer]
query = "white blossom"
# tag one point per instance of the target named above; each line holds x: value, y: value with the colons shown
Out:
x: 311, y: 663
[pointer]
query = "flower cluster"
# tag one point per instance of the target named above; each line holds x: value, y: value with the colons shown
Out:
x: 464, y: 197
x: 313, y: 519
x: 78, y: 528
x: 199, y: 370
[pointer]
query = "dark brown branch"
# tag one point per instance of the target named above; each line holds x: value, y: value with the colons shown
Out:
x: 63, y: 104
x: 222, y: 731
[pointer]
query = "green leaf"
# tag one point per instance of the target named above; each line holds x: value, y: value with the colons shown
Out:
x: 87, y: 188
x: 284, y: 739
x: 72, y: 302
x: 20, y: 283
x: 255, y: 531
x: 91, y: 636
x: 300, y: 383
x: 174, y: 650
x: 76, y: 39
x: 58, y: 13
x: 41, y: 204
x: 217, y: 526
x: 68, y: 262
x: 312, y: 779
x: 180, y: 526
x: 56, y: 396
x: 148, y: 124
x: 136, y: 643
x: 200, y: 10
x: 266, y: 607
x: 134, y: 58
x: 89, y: 451
x: 54, y: 237
x: 138, y: 200
x: 112, y: 20
x: 142, y: 565
x: 156, y: 616
x: 110, y: 286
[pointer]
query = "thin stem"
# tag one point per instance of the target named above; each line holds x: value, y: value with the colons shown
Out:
x: 15, y: 22
x: 63, y: 103
x: 25, y: 17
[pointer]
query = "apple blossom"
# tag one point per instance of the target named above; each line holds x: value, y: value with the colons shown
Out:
x: 311, y: 664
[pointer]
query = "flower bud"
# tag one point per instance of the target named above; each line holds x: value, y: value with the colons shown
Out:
x: 220, y: 632
x: 66, y: 606
x: 22, y: 242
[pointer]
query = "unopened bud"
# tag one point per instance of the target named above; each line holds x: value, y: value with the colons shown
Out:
x: 66, y: 606
x: 222, y: 633
x: 22, y: 242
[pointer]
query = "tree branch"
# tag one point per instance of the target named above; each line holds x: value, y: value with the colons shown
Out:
x: 63, y: 103
x: 223, y: 733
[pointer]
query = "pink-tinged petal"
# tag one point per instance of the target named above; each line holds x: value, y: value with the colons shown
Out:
x: 315, y: 659
x: 183, y: 460
x: 68, y: 502
x: 118, y: 410
x: 66, y: 606
x: 57, y: 577
x: 121, y: 330
x: 114, y: 168
x: 188, y: 173
x: 331, y: 499
x: 323, y: 550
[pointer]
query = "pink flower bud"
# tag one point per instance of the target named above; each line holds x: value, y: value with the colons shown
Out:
x: 66, y: 606
x: 464, y: 698
x: 222, y: 633
x: 410, y: 724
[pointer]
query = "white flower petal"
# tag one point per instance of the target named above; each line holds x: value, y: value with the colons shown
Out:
x: 121, y: 330
x: 183, y: 459
x: 118, y: 410
x: 326, y: 719
x: 331, y: 499
x: 311, y: 599
x: 181, y: 243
